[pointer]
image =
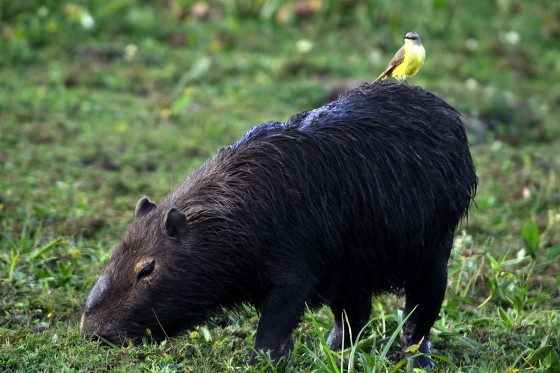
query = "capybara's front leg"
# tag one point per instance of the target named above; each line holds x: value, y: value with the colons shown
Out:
x: 280, y: 313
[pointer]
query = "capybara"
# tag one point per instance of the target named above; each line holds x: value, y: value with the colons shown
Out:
x: 358, y: 197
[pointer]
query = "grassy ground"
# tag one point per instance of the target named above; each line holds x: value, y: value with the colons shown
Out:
x: 94, y: 116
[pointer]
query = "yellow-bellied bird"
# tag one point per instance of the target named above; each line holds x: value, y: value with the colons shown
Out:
x: 407, y: 60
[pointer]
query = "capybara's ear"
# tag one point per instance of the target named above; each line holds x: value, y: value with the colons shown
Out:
x: 143, y: 207
x: 175, y: 223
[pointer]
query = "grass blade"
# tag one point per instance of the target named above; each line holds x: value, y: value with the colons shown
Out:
x: 44, y: 249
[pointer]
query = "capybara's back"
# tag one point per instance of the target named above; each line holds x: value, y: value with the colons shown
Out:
x: 358, y: 197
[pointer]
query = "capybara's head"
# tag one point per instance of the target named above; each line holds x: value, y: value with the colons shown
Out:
x: 142, y: 286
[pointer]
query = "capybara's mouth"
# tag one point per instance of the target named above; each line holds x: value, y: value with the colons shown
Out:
x: 112, y: 340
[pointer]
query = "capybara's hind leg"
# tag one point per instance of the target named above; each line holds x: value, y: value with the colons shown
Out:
x: 424, y: 296
x: 355, y: 310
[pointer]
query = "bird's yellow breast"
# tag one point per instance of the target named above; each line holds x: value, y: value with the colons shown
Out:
x: 413, y: 58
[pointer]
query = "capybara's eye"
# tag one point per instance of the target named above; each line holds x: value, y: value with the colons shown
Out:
x: 146, y: 270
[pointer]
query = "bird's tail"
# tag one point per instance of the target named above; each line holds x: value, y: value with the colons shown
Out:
x: 382, y: 76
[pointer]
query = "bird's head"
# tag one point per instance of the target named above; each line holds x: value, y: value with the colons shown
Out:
x: 413, y: 38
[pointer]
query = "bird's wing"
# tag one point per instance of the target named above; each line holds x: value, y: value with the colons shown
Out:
x: 396, y: 61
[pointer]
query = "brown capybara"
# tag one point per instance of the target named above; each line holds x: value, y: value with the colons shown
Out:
x: 358, y: 197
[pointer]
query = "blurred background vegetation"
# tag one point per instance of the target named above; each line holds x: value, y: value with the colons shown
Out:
x: 495, y: 60
x: 102, y: 102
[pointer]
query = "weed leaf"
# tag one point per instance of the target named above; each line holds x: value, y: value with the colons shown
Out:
x: 530, y: 235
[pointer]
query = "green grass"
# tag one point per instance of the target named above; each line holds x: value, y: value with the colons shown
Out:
x: 93, y: 119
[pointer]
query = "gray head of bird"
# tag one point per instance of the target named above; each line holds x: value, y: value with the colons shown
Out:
x: 412, y: 37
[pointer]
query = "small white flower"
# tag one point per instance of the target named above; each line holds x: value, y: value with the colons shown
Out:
x: 304, y: 46
x: 43, y: 11
x: 510, y: 37
x: 87, y: 20
x: 130, y: 52
x: 471, y: 84
x: 471, y: 44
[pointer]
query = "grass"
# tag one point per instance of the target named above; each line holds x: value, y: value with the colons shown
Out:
x: 94, y: 118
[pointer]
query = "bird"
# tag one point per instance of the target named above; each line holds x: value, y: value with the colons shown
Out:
x: 407, y: 60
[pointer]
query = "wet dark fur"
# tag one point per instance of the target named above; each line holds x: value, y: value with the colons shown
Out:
x: 355, y: 198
